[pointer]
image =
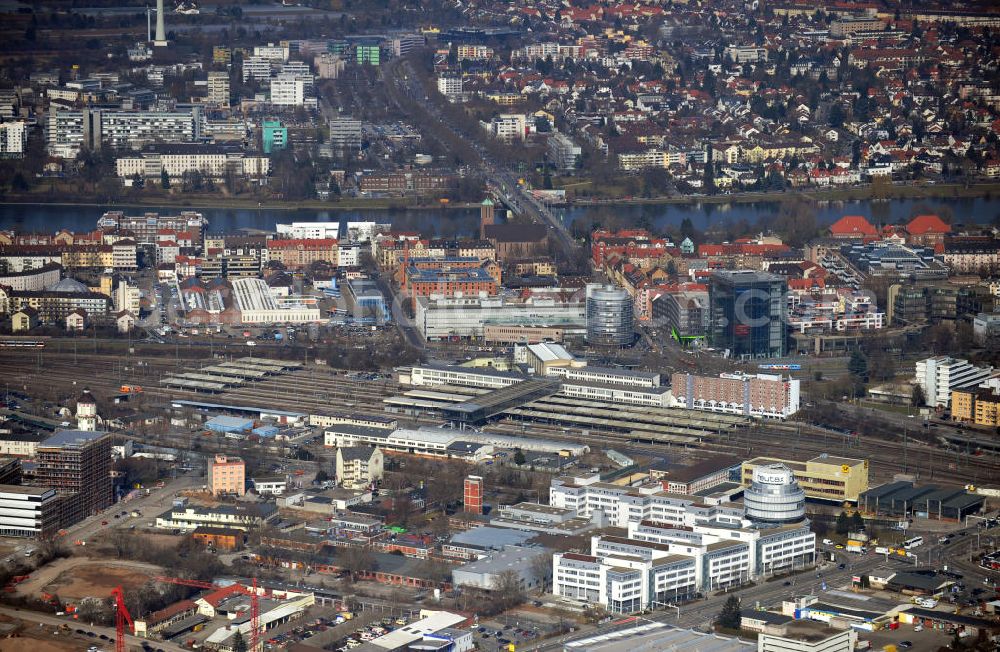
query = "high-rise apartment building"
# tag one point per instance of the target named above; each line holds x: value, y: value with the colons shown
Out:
x: 345, y: 133
x: 218, y: 88
x: 13, y: 139
x: 274, y: 136
x: 940, y: 375
x: 68, y: 131
x: 227, y: 476
x: 77, y: 463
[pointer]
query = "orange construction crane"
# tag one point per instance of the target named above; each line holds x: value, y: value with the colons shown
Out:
x: 254, y: 619
x: 185, y: 582
x: 122, y: 617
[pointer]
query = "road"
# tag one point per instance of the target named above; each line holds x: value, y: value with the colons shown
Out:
x: 109, y: 632
x: 158, y: 501
x: 501, y: 182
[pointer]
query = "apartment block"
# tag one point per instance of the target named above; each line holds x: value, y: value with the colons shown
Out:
x: 979, y: 405
x: 939, y: 376
x: 359, y: 466
x: 760, y: 395
x: 147, y: 227
x: 68, y: 131
x: 77, y: 464
x: 345, y: 133
x: 218, y: 88
x: 298, y: 253
x: 13, y: 139
x: 227, y: 476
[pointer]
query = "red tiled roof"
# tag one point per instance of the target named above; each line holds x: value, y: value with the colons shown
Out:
x: 805, y: 283
x: 216, y: 597
x: 852, y: 225
x: 922, y: 224
x: 170, y: 611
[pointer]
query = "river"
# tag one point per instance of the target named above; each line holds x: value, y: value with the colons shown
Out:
x: 957, y: 211
x: 452, y: 222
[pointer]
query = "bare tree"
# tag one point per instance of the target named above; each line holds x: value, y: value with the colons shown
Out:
x: 508, y: 589
x: 541, y: 568
x: 356, y: 559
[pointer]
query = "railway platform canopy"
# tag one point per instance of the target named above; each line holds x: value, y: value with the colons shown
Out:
x: 235, y: 370
x: 192, y: 384
x: 252, y: 411
x: 273, y: 366
x: 480, y: 408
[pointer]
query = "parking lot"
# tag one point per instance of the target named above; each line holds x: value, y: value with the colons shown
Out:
x: 927, y: 639
x: 496, y: 636
x: 369, y: 632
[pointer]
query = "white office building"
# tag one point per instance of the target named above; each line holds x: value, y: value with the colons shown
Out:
x: 271, y: 52
x: 449, y: 85
x: 441, y: 441
x: 13, y: 139
x: 349, y: 254
x: 257, y: 305
x: 721, y: 546
x: 328, y: 65
x: 211, y: 160
x: 439, y: 317
x: 309, y: 230
x: 290, y: 90
x: 658, y: 564
x: 257, y: 68
x: 745, y: 54
x: 439, y: 374
x: 938, y: 376
x: 28, y: 511
x: 507, y: 127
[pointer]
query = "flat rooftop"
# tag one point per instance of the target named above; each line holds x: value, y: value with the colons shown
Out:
x: 72, y: 438
x: 24, y: 490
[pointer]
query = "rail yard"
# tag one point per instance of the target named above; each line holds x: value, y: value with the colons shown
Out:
x: 678, y: 434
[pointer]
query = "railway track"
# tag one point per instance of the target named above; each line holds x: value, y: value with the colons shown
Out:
x: 52, y: 374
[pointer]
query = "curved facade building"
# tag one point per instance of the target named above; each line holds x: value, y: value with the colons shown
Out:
x: 609, y: 317
x: 774, y: 496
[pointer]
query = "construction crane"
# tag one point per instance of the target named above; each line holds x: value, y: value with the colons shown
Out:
x: 255, y: 642
x: 254, y: 619
x: 122, y: 616
x: 186, y: 582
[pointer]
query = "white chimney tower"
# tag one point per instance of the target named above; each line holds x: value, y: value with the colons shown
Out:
x: 161, y: 32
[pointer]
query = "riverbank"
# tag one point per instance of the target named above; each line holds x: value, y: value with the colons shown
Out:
x: 853, y: 193
x: 373, y: 204
x: 910, y: 191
